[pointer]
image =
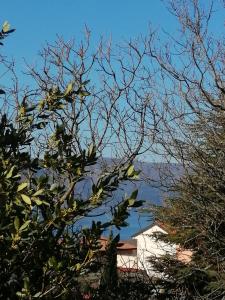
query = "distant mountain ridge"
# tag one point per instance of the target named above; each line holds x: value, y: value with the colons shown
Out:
x: 149, y: 190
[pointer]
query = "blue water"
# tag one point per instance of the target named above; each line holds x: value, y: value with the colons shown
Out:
x: 151, y: 195
x: 137, y: 220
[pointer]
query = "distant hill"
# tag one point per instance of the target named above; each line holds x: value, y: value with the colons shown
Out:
x: 149, y: 189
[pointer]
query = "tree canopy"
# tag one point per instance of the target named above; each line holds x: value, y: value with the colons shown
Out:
x: 42, y: 161
x: 165, y: 99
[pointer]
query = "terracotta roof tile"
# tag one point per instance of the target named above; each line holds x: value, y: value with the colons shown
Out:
x: 122, y: 245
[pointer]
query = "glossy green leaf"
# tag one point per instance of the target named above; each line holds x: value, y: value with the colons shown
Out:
x: 134, y: 194
x: 5, y: 26
x: 135, y: 177
x: 84, y: 93
x: 22, y: 186
x: 52, y: 262
x: 91, y: 150
x: 26, y: 199
x: 37, y: 201
x: 69, y: 89
x: 53, y: 187
x: 37, y: 295
x: 130, y: 171
x: 131, y: 201
x: 16, y: 223
x: 39, y: 192
x: 10, y: 173
x: 25, y: 224
x: 86, y: 82
x: 78, y: 267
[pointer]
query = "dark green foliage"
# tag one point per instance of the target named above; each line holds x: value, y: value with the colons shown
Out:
x: 42, y: 252
x: 192, y: 134
x: 195, y: 217
x: 3, y: 34
x: 129, y: 287
x: 109, y: 278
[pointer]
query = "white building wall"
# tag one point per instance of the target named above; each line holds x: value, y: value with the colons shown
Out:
x: 127, y: 260
x: 148, y: 246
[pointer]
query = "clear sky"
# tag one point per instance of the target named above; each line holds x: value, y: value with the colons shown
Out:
x: 37, y: 21
x: 40, y: 21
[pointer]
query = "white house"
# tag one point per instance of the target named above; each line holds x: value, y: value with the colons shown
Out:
x: 126, y: 254
x: 134, y: 254
x: 148, y: 246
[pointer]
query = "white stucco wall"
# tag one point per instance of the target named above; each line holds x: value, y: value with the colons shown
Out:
x: 148, y: 246
x: 127, y: 259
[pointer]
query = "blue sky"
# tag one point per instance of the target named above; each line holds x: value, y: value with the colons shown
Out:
x: 39, y: 21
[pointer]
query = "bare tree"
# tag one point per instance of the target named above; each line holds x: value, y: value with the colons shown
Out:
x: 189, y: 84
x: 112, y: 111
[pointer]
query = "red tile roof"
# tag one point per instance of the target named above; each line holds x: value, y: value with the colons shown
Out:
x: 122, y: 245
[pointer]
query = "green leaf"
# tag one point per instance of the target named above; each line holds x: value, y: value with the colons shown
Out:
x: 26, y: 283
x: 31, y: 108
x: 100, y: 191
x: 52, y: 262
x: 43, y: 116
x: 135, y: 177
x: 85, y: 82
x: 16, y: 176
x: 131, y: 201
x: 54, y: 186
x: 21, y: 295
x: 25, y: 224
x: 16, y: 223
x: 45, y: 203
x: 130, y: 171
x: 78, y: 171
x: 138, y: 203
x: 69, y: 89
x: 41, y: 104
x: 39, y: 192
x: 41, y: 125
x: 26, y: 199
x: 77, y: 266
x: 22, y: 186
x: 84, y: 93
x: 134, y: 194
x: 37, y: 295
x: 10, y: 173
x: 37, y: 201
x: 91, y: 150
x: 5, y: 26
